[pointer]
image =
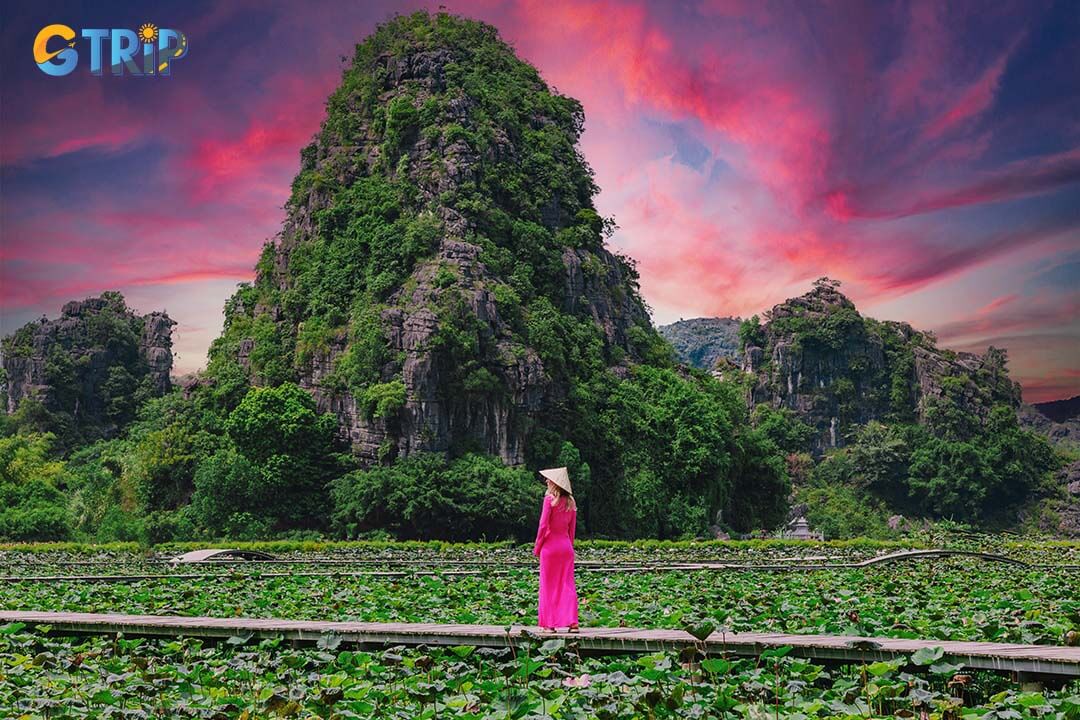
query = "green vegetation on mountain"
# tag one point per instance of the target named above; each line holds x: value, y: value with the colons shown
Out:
x: 437, y: 130
x: 900, y: 425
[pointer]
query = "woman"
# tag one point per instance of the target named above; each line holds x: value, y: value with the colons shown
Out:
x: 555, y: 548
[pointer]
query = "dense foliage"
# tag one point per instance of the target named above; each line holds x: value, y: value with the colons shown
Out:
x: 428, y: 496
x: 674, y: 451
x: 981, y: 473
x: 32, y: 503
x: 188, y: 469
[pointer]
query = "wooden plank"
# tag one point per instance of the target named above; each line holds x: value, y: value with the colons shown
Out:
x: 1042, y: 660
x: 244, y: 575
x: 215, y: 554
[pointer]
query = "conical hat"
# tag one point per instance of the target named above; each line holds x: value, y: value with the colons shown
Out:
x: 559, y: 476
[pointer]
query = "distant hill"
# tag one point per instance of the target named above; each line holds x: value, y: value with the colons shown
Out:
x: 702, y: 341
x: 1057, y: 410
x: 1066, y: 432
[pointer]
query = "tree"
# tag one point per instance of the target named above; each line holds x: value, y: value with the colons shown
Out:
x: 760, y: 485
x: 280, y: 420
x: 286, y: 456
x: 226, y: 483
x: 784, y: 428
x: 950, y: 479
x: 751, y: 333
x: 667, y: 452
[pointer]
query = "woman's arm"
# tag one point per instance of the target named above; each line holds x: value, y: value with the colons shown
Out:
x: 542, y: 531
x: 573, y: 524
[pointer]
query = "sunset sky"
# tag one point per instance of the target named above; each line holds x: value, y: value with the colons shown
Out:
x: 926, y: 156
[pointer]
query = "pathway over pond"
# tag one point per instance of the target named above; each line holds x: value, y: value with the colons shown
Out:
x: 1049, y: 661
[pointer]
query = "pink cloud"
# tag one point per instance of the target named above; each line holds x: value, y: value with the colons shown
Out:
x: 997, y: 304
x: 1005, y: 317
x: 1021, y: 178
x: 22, y: 292
x: 65, y: 122
x: 265, y: 154
x: 973, y: 100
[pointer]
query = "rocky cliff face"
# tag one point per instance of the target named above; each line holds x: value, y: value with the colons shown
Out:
x: 1069, y: 508
x: 92, y: 363
x: 817, y: 356
x: 702, y: 342
x: 446, y: 201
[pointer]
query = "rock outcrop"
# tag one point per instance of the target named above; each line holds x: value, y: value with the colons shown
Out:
x: 702, y: 342
x: 837, y: 370
x: 453, y: 145
x: 1059, y: 512
x: 432, y: 418
x: 91, y: 362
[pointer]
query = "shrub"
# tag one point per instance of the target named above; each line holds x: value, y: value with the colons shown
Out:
x: 384, y: 400
x: 119, y: 525
x: 428, y: 496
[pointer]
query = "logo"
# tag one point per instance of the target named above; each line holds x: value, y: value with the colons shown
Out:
x: 147, y: 51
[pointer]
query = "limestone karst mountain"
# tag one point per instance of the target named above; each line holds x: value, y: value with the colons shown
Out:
x: 837, y: 370
x: 441, y: 274
x: 1065, y: 433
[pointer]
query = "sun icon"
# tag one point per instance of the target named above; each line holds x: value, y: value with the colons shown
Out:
x: 148, y: 32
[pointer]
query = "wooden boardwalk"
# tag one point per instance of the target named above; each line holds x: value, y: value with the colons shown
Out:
x: 1034, y: 660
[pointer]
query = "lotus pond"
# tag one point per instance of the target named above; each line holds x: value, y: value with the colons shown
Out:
x: 44, y: 674
x: 46, y: 677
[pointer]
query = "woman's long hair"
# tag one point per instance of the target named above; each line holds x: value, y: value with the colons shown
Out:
x: 557, y: 494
